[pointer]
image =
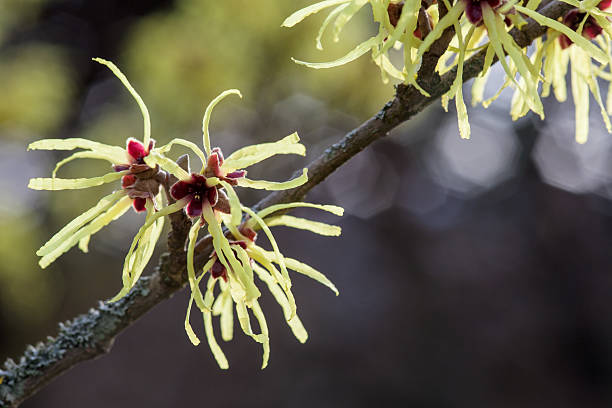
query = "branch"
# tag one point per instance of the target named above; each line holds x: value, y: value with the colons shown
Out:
x: 92, y: 334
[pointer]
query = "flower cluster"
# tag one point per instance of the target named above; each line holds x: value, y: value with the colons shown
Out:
x: 152, y: 182
x: 484, y: 25
x: 234, y: 265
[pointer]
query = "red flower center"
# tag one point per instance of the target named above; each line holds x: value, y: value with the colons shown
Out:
x: 197, y: 191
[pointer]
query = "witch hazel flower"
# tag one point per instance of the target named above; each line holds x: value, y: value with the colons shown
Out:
x: 199, y: 191
x: 582, y: 39
x: 140, y: 188
x: 209, y: 193
x: 235, y: 277
x: 395, y: 19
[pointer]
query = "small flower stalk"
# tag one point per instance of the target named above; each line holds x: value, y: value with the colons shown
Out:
x: 415, y: 26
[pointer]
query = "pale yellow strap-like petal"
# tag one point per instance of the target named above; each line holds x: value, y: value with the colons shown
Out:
x: 261, y: 319
x: 294, y: 323
x: 129, y: 258
x: 114, y: 212
x: 301, y: 223
x: 84, y: 244
x: 279, y: 256
x: 249, y: 155
x: 227, y: 317
x: 83, y: 155
x: 334, y: 209
x: 167, y: 164
x: 143, y: 108
x: 387, y: 67
x: 104, y: 204
x: 355, y: 53
x: 139, y: 259
x: 186, y: 143
x: 272, y: 185
x: 188, y: 329
x: 333, y: 14
x: 208, y: 112
x: 304, y: 269
x: 208, y: 327
x: 580, y: 93
x: 55, y: 184
x: 195, y: 289
x: 245, y: 323
x: 235, y: 206
x: 252, y: 293
x: 462, y: 115
x: 227, y: 256
x: 528, y: 71
x: 478, y: 88
x: 346, y: 15
x: 300, y: 15
x: 117, y: 153
x: 259, y: 255
x: 147, y: 245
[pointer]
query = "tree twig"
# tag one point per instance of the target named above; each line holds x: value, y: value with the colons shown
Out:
x: 92, y: 334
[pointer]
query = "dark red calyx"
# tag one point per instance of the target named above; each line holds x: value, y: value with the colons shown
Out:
x: 218, y: 270
x: 142, y: 185
x: 197, y: 192
x: 213, y: 168
x: 573, y: 19
x: 137, y: 151
x: 473, y: 9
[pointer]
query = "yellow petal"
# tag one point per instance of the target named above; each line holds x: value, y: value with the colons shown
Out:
x: 73, y: 184
x: 167, y: 164
x: 304, y: 269
x: 334, y: 13
x: 208, y: 112
x: 300, y: 15
x: 261, y: 319
x: 278, y: 256
x: 118, y: 153
x: 143, y: 108
x: 115, y: 211
x: 272, y: 185
x: 346, y: 15
x: 352, y: 55
x: 302, y: 223
x: 186, y: 143
x: 83, y: 155
x: 103, y: 205
x: 208, y: 327
x: 334, y: 209
x: 249, y: 155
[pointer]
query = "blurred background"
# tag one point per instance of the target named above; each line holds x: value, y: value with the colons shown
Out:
x: 471, y: 273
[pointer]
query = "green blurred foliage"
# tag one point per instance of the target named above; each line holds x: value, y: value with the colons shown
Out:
x: 27, y: 294
x: 17, y: 13
x: 36, y: 90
